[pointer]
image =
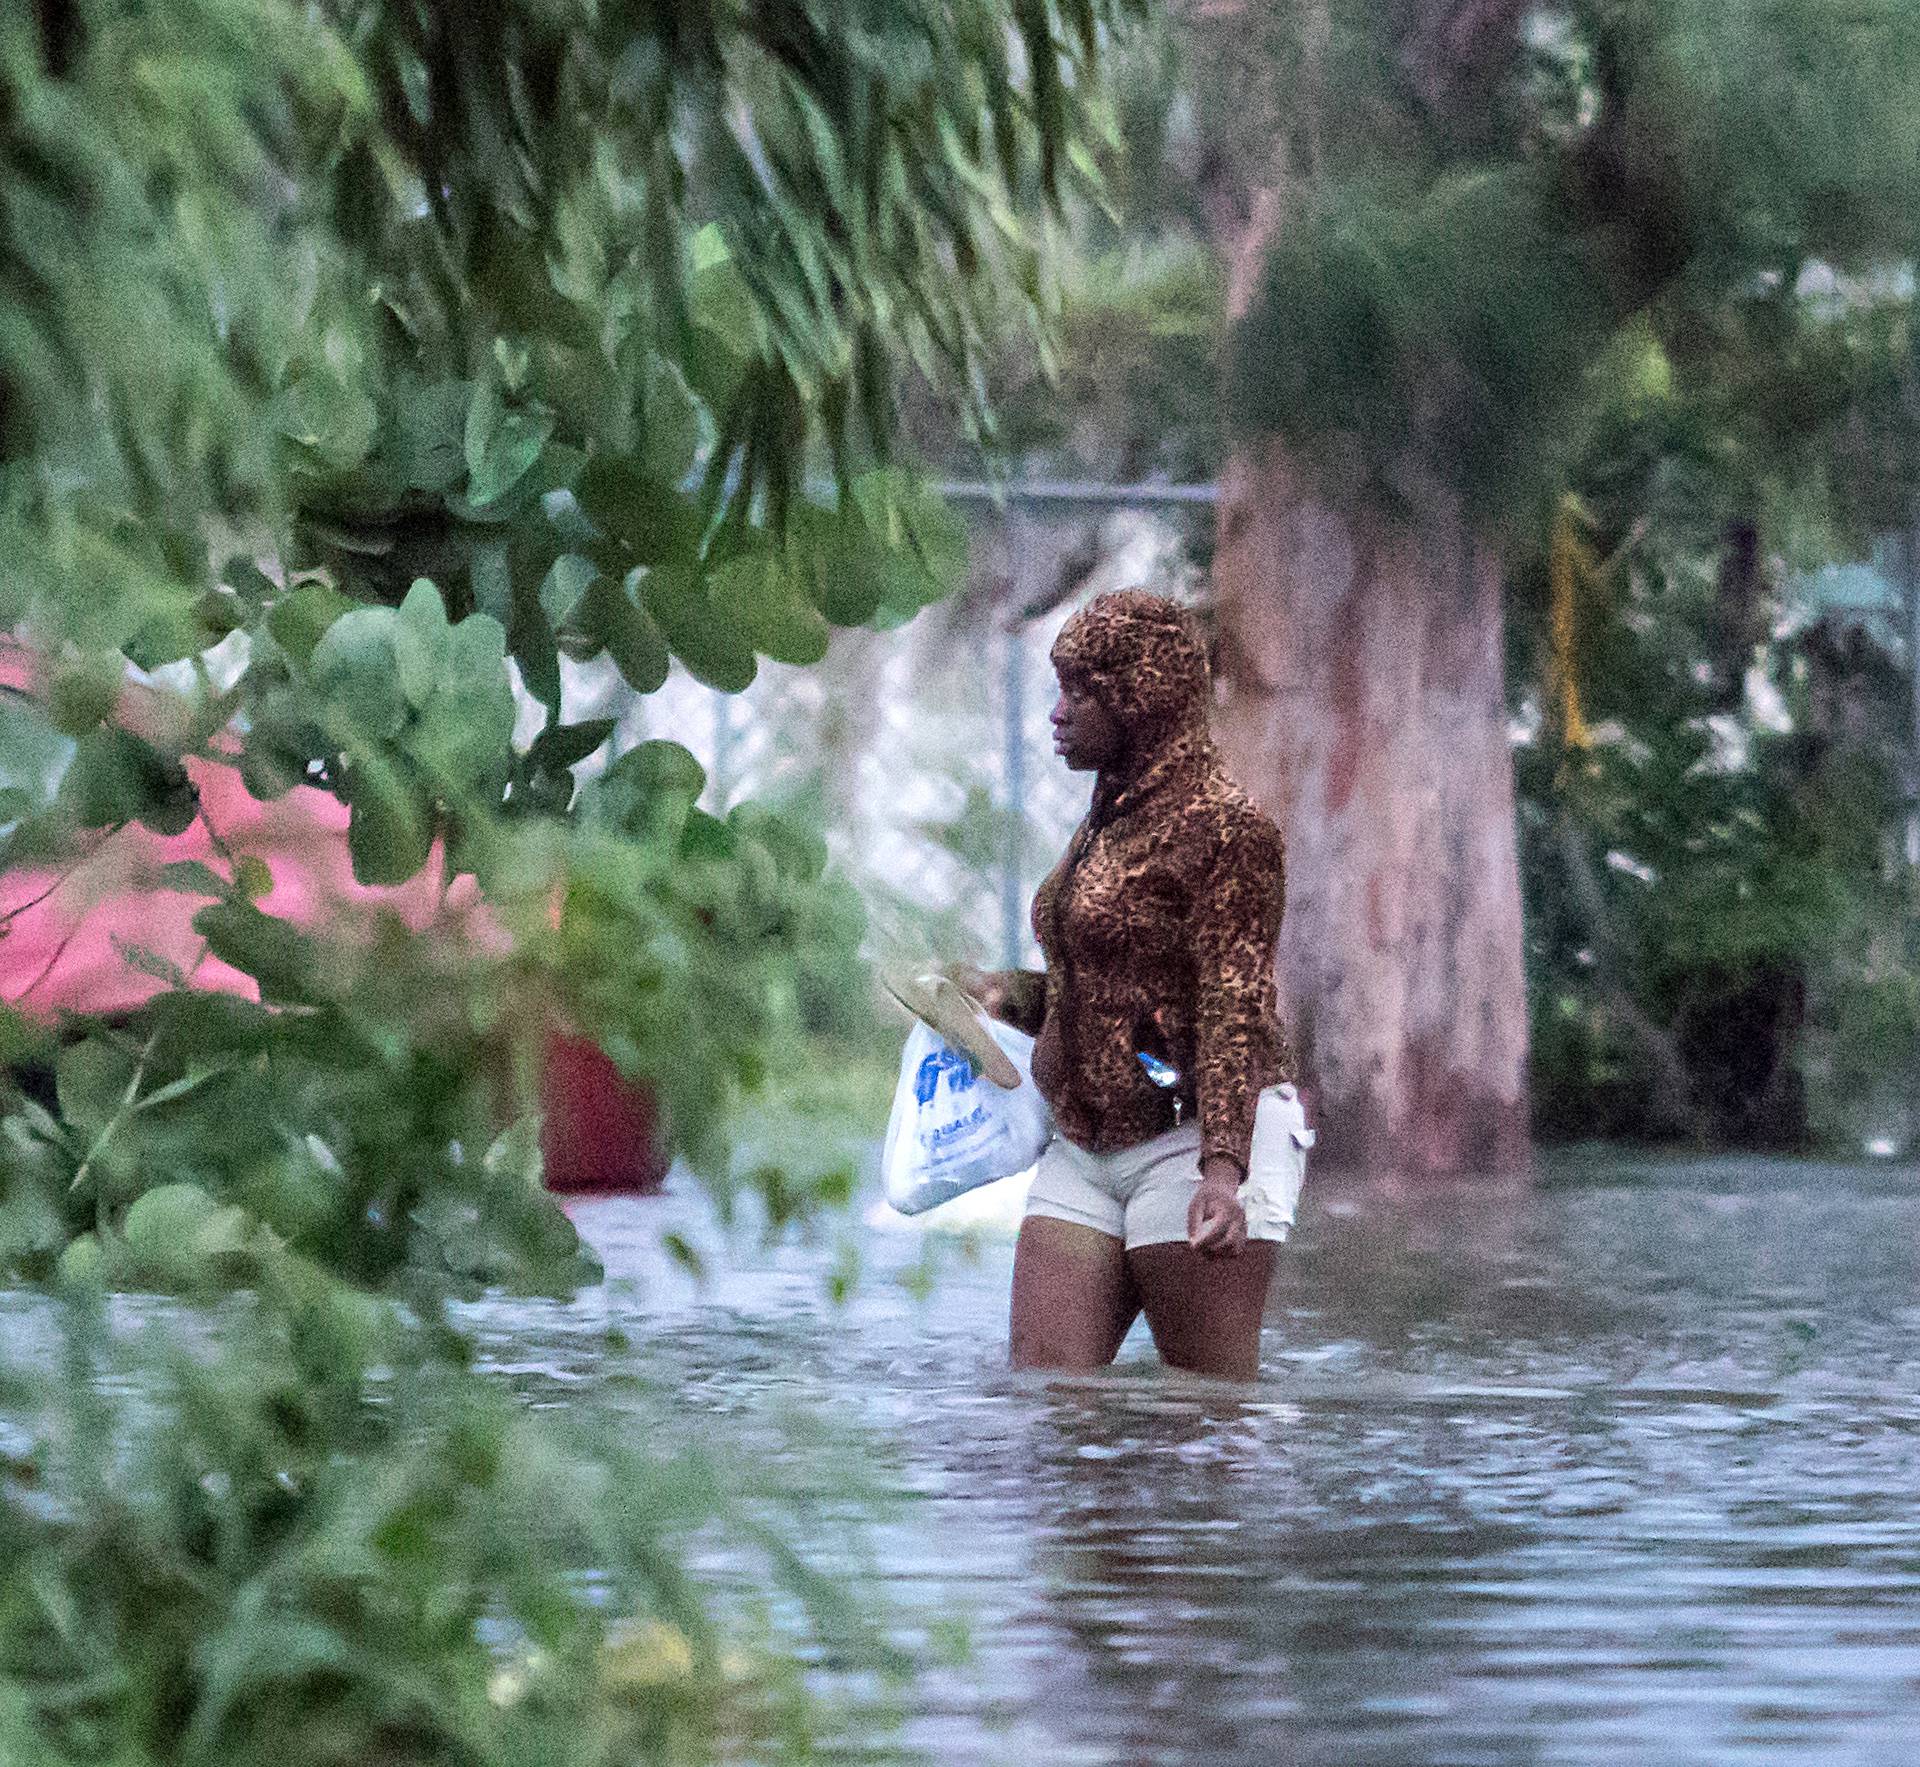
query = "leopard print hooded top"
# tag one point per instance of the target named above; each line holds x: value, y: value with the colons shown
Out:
x: 1159, y: 925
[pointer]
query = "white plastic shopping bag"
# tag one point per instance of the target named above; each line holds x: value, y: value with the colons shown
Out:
x: 1277, y: 1164
x: 953, y: 1129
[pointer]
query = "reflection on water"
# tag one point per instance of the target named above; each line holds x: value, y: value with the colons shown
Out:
x: 1619, y: 1469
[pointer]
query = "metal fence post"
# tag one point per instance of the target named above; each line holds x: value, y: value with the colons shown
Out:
x: 1013, y: 905
x: 722, y: 751
x: 1910, y: 570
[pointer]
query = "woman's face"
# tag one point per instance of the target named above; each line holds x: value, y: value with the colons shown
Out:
x: 1085, y: 734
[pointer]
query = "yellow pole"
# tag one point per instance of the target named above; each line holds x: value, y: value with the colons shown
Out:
x: 1569, y: 562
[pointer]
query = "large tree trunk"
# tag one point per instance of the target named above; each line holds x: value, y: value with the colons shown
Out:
x: 1365, y: 707
x: 1361, y: 662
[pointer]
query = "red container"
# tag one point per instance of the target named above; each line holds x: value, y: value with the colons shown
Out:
x: 601, y: 1133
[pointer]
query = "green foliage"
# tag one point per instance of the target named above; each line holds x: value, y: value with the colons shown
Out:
x: 684, y: 942
x: 1124, y: 385
x: 1719, y: 929
x: 610, y: 294
x: 354, y: 1132
x: 395, y: 368
x: 145, y: 151
x: 1387, y: 302
x: 1132, y: 390
x: 614, y: 294
x: 266, y: 1562
x: 1458, y: 283
x: 353, y: 362
x: 346, y: 1122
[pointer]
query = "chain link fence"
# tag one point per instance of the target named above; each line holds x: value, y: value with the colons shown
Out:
x: 925, y: 752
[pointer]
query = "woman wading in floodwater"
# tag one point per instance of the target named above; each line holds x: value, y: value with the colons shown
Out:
x: 1158, y: 930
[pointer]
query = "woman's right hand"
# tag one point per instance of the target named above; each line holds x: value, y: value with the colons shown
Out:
x: 1216, y: 1218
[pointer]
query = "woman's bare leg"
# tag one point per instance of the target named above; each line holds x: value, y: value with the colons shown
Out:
x: 1205, y: 1312
x: 1073, y: 1298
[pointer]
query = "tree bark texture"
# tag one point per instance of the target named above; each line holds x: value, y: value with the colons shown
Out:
x: 1361, y: 665
x: 1364, y: 706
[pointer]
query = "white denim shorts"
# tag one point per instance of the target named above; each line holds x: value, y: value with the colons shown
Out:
x: 1139, y: 1195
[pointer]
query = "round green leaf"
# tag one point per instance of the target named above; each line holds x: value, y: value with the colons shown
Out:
x: 702, y: 635
x: 676, y: 426
x: 763, y: 600
x: 846, y: 572
x: 925, y: 541
x: 278, y: 955
x: 299, y: 620
x: 613, y: 619
x: 229, y: 1233
x: 428, y: 437
x: 566, y: 582
x: 389, y: 823
x: 118, y: 777
x: 85, y: 690
x: 269, y: 770
x: 649, y: 791
x: 501, y: 445
x: 799, y: 852
x: 464, y: 737
x: 656, y: 524
x: 162, y: 1226
x: 420, y: 641
x: 355, y: 667
x: 337, y: 422
x: 90, y: 1081
x: 177, y: 631
x: 82, y: 1264
x: 253, y: 877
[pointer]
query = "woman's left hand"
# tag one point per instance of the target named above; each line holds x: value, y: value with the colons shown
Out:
x: 1216, y: 1223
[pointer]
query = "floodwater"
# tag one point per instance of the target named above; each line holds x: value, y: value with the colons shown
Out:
x: 1618, y: 1469
x: 1622, y: 1468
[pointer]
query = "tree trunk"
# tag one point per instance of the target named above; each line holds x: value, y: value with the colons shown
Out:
x: 1365, y: 708
x: 1361, y: 660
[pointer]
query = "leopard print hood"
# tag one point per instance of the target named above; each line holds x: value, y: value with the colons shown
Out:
x: 1142, y: 656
